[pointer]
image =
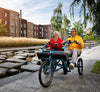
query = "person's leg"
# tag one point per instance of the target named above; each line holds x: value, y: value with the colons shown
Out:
x: 68, y: 52
x: 75, y: 54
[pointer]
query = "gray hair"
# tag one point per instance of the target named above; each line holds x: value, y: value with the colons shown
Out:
x: 56, y: 33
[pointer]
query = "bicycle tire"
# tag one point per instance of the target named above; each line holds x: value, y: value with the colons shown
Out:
x: 80, y: 66
x: 44, y: 64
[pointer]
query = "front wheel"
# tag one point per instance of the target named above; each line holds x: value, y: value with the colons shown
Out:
x: 46, y: 73
x: 80, y: 66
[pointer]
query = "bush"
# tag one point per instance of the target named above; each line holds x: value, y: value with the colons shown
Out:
x: 19, y: 42
x: 92, y: 37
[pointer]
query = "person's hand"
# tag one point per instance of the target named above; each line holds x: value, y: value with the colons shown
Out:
x: 55, y: 44
x: 79, y: 43
x: 69, y: 41
x: 76, y: 42
x: 64, y: 42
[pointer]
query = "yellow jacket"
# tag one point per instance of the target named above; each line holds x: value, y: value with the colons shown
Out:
x: 74, y: 45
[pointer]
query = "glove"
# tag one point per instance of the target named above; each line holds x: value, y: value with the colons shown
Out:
x: 76, y: 42
x: 49, y: 43
x: 64, y: 43
x: 55, y: 44
x: 69, y: 41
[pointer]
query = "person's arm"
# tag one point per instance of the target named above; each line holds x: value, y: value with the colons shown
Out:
x: 48, y: 45
x: 81, y: 43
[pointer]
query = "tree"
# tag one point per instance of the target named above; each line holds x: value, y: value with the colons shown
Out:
x: 79, y: 27
x: 3, y: 30
x: 66, y: 25
x: 90, y: 10
x: 56, y: 20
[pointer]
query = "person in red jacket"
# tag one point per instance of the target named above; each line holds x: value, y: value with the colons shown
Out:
x: 55, y: 43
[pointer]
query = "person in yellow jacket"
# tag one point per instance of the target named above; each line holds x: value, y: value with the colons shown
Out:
x: 74, y: 47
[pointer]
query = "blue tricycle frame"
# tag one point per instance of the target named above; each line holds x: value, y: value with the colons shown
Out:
x: 53, y: 61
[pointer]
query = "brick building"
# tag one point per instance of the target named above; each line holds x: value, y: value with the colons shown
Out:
x: 30, y: 29
x: 23, y: 28
x: 14, y: 23
x: 4, y: 16
x: 35, y: 31
x: 11, y: 19
x: 47, y: 31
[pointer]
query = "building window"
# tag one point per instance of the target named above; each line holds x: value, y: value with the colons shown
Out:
x: 34, y: 27
x: 12, y: 22
x: 12, y: 34
x: 12, y: 31
x: 24, y: 32
x: 34, y: 34
x: 16, y: 18
x: 16, y: 25
x: 31, y: 27
x: 5, y: 22
x: 24, y: 25
x: 21, y: 31
x: 5, y: 14
x: 12, y: 16
x: 42, y: 32
x: 46, y: 35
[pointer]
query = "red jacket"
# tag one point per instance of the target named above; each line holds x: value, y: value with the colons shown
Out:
x: 58, y: 47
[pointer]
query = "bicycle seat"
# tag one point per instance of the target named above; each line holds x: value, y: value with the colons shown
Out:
x: 43, y: 55
x: 58, y: 56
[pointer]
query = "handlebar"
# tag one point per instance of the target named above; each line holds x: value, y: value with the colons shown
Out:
x: 64, y: 44
x: 69, y: 42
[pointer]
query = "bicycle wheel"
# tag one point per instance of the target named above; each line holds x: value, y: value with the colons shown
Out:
x: 46, y: 73
x: 80, y: 66
x: 64, y: 68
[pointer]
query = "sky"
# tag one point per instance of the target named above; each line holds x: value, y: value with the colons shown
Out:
x: 39, y: 11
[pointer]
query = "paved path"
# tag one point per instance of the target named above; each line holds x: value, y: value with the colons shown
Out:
x: 72, y: 82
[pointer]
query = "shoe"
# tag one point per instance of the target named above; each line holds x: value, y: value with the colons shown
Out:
x: 71, y: 66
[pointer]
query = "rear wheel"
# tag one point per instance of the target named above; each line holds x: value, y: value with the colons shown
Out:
x: 46, y: 73
x: 80, y: 66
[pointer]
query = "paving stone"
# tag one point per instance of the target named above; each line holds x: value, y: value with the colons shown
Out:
x: 3, y: 72
x: 31, y: 54
x: 2, y: 58
x: 34, y: 62
x: 35, y: 59
x: 1, y: 61
x: 3, y: 53
x: 31, y: 51
x: 6, y: 53
x: 10, y: 65
x: 16, y: 60
x: 19, y: 57
x: 10, y: 54
x: 24, y: 54
x: 30, y: 67
x: 19, y: 52
x: 13, y: 71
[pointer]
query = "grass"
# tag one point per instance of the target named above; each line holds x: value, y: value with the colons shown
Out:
x: 20, y: 42
x: 96, y: 67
